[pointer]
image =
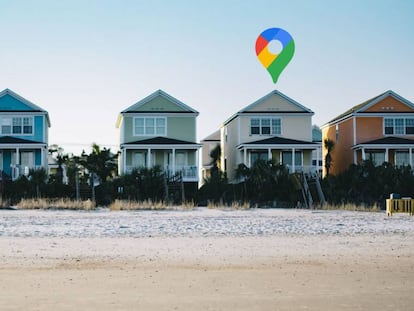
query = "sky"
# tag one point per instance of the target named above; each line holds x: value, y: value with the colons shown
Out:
x: 85, y: 61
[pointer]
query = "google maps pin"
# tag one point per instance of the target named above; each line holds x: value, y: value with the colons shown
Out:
x: 275, y: 63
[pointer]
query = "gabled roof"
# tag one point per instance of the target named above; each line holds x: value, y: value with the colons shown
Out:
x: 16, y: 140
x: 32, y: 107
x: 302, y: 109
x: 161, y: 93
x: 212, y: 137
x: 276, y: 140
x: 160, y: 141
x: 276, y: 92
x: 370, y: 102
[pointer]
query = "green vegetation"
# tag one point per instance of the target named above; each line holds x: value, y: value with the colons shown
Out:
x: 265, y: 184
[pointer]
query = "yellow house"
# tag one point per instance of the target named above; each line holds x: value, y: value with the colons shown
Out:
x: 275, y: 127
x: 380, y: 129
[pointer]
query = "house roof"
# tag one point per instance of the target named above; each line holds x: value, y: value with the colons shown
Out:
x: 389, y: 141
x: 160, y: 141
x: 161, y: 93
x: 368, y: 103
x: 16, y: 140
x: 247, y: 109
x: 32, y: 107
x: 276, y: 140
x: 212, y: 137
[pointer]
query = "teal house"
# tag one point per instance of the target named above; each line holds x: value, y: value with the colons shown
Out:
x: 159, y: 130
x: 23, y: 135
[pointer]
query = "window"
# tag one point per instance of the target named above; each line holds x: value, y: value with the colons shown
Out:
x: 150, y: 126
x: 255, y: 126
x: 409, y: 126
x: 258, y: 155
x: 6, y: 126
x: 399, y: 126
x: 377, y: 157
x: 265, y: 126
x: 287, y: 158
x: 276, y: 126
x: 388, y: 126
x: 402, y: 158
x: 139, y: 159
x: 17, y: 125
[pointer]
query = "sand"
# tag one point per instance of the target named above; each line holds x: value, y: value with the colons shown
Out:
x: 321, y: 272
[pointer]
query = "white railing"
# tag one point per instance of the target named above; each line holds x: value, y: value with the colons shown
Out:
x: 20, y: 170
x: 189, y: 172
x: 302, y: 169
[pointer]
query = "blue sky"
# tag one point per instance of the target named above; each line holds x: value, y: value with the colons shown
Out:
x: 85, y: 61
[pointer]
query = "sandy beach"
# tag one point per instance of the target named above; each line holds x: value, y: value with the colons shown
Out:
x: 368, y: 271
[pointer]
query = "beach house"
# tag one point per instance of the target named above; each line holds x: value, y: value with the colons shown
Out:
x: 159, y: 130
x: 380, y: 129
x: 23, y: 135
x: 275, y: 127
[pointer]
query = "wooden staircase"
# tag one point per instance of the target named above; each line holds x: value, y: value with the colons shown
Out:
x: 312, y: 189
x: 174, y: 188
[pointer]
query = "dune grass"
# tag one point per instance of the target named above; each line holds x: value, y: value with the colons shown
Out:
x: 349, y: 207
x: 234, y: 205
x: 130, y: 205
x: 62, y: 204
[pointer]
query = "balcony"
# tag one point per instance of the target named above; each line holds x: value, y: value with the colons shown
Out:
x: 21, y: 170
x: 189, y: 173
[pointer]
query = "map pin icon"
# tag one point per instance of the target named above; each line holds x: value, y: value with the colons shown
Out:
x: 275, y: 63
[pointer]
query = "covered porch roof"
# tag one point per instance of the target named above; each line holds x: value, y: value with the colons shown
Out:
x: 10, y: 142
x: 279, y: 143
x: 161, y: 143
x: 390, y: 142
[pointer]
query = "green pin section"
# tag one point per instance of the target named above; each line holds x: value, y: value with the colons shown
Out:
x: 281, y: 61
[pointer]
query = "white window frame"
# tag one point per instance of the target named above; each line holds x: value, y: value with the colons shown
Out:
x: 157, y: 129
x: 20, y: 120
x: 400, y: 128
x: 273, y: 128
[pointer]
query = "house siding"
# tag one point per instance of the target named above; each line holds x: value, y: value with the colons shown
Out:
x: 275, y: 103
x: 342, y: 154
x: 9, y: 103
x: 182, y: 128
x: 389, y: 103
x: 159, y: 104
x: 369, y: 129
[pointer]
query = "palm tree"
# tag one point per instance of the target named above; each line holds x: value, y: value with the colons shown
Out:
x: 215, y: 155
x: 61, y: 159
x: 38, y: 177
x: 329, y: 145
x: 102, y: 162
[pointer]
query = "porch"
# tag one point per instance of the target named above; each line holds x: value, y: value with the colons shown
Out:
x: 17, y: 162
x: 395, y: 150
x: 296, y: 155
x: 175, y: 159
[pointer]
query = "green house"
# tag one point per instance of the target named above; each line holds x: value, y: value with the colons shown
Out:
x: 159, y: 130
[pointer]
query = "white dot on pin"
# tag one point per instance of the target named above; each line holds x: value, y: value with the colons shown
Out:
x: 275, y: 47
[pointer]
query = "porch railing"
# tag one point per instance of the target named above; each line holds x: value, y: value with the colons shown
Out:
x: 307, y: 169
x: 189, y: 173
x: 20, y: 170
